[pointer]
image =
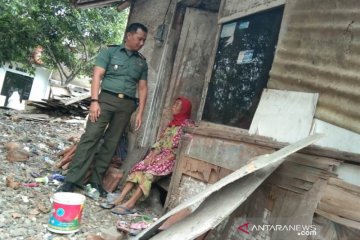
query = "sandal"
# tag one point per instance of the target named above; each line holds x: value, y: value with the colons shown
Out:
x: 107, y: 205
x: 121, y: 210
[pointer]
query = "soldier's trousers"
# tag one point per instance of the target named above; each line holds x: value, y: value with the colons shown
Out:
x: 114, y: 117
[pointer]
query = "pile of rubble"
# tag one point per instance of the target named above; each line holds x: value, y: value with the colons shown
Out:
x: 65, y: 105
x: 29, y: 151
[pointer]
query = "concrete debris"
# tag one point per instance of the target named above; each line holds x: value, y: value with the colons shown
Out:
x: 11, y: 183
x: 27, y: 187
x: 16, y: 152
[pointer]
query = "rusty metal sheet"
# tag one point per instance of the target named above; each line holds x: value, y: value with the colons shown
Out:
x: 319, y: 51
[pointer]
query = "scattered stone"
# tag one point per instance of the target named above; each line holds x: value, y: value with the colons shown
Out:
x: 16, y: 152
x: 111, y: 234
x: 11, y: 183
x: 24, y: 210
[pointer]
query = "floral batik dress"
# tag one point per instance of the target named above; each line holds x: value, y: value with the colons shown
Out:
x: 143, y: 174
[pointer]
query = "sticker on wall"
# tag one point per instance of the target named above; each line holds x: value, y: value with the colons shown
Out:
x: 245, y: 57
x: 228, y: 30
x: 244, y: 25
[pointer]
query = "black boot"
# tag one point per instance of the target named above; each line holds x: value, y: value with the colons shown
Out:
x: 66, y: 187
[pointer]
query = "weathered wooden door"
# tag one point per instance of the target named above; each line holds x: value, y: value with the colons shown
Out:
x: 197, y: 41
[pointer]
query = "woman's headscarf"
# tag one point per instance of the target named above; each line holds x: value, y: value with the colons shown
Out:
x: 184, y: 114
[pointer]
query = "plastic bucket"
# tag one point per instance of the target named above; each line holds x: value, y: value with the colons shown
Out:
x: 66, y: 212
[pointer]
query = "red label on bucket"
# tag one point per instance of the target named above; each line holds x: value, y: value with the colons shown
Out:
x: 65, y: 218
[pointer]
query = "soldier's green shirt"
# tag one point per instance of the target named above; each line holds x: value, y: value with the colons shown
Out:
x: 123, y: 69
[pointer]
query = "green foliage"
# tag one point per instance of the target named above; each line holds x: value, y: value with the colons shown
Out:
x: 70, y: 37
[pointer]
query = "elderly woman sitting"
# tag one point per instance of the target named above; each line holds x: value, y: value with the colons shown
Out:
x: 160, y: 161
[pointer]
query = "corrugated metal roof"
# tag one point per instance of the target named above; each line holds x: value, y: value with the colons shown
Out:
x: 319, y: 51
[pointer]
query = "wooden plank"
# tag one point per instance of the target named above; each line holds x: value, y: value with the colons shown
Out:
x: 340, y: 220
x: 343, y: 211
x: 290, y: 183
x: 295, y: 209
x: 216, y: 207
x: 285, y: 116
x: 294, y: 172
x: 340, y: 202
x: 209, y: 72
x: 273, y: 159
x: 192, y: 57
x: 227, y: 154
x: 201, y: 170
x: 95, y: 4
x: 344, y: 185
x: 314, y: 161
x: 236, y: 134
x: 341, y: 197
x: 77, y: 99
x: 331, y: 230
x: 320, y: 173
x: 245, y: 12
x: 39, y: 117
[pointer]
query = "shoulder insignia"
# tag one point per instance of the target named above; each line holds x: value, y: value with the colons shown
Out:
x: 142, y: 56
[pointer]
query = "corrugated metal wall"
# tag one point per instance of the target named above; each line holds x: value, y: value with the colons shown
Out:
x: 319, y: 51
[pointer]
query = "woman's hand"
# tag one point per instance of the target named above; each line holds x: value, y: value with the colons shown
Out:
x: 171, y: 157
x: 151, y: 157
x: 94, y: 112
x: 149, y: 160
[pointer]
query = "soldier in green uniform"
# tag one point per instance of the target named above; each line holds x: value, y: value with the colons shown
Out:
x: 122, y: 69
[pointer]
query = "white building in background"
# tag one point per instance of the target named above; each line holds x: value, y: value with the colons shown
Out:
x: 29, y: 87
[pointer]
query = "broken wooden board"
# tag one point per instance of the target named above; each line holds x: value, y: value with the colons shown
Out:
x: 267, y: 162
x: 294, y: 209
x: 327, y: 229
x: 77, y: 99
x: 209, y: 214
x: 203, y: 171
x: 340, y: 203
x: 285, y: 116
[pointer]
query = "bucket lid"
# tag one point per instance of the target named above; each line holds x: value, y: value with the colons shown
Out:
x: 69, y: 198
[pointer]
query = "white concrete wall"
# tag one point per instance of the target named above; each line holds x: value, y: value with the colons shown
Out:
x: 39, y: 89
x: 40, y: 85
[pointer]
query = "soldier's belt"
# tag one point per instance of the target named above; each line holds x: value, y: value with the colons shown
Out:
x: 119, y: 95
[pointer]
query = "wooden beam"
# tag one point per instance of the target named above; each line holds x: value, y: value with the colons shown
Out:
x: 122, y: 6
x: 96, y: 3
x: 242, y: 135
x: 261, y: 162
x: 247, y: 12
